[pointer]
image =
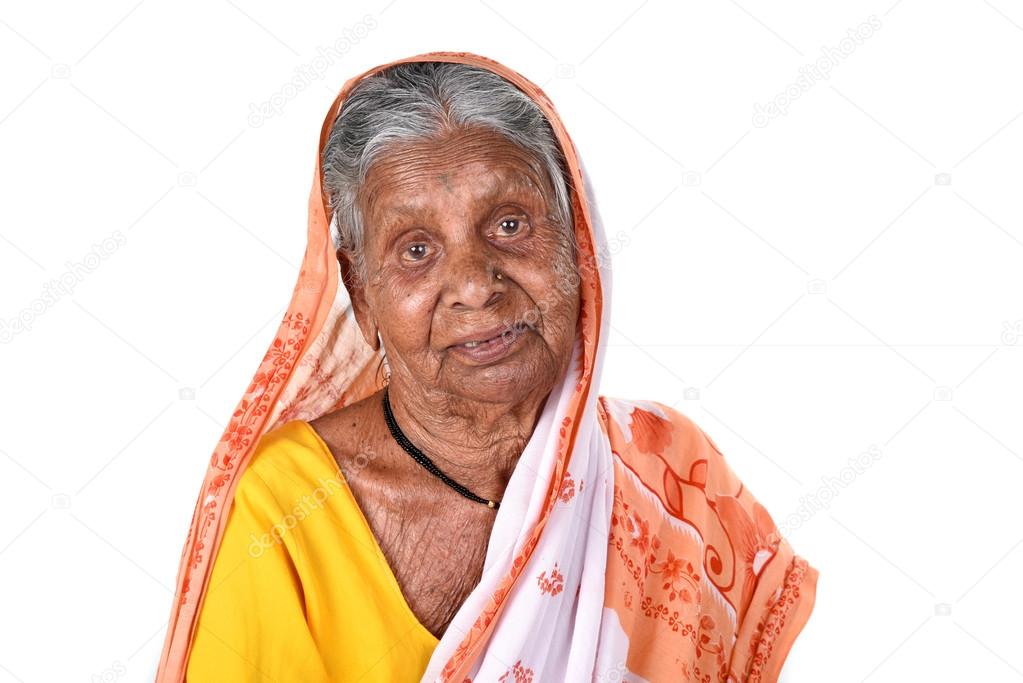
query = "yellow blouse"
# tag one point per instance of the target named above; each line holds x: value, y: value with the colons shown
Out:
x: 300, y: 589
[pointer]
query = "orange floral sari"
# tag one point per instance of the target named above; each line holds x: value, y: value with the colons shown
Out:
x: 695, y: 582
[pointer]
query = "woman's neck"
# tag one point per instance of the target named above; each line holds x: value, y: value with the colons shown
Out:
x: 477, y: 444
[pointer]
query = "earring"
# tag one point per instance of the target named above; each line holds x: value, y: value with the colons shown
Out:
x: 497, y: 276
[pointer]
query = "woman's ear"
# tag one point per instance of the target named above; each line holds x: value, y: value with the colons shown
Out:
x: 367, y: 323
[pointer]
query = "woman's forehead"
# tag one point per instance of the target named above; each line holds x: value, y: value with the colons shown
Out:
x: 417, y: 178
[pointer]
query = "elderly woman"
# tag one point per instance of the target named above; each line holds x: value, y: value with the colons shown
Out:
x: 466, y: 507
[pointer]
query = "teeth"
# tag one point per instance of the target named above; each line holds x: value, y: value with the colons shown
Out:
x: 474, y: 344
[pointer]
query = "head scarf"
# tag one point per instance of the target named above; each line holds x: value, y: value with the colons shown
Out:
x: 624, y: 548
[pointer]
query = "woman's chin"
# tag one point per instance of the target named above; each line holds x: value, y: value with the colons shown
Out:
x: 509, y: 381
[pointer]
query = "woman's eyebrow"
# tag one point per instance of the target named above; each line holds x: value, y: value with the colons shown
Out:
x: 503, y: 182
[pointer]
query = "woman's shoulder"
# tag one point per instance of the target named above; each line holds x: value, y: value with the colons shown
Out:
x: 288, y: 459
x: 667, y: 451
x: 252, y: 615
x: 673, y: 471
x: 639, y: 428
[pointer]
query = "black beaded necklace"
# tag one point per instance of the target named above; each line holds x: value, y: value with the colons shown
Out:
x: 423, y: 460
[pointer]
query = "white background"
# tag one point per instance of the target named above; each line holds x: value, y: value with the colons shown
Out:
x: 843, y: 278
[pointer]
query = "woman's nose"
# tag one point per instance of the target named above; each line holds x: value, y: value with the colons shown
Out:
x: 472, y: 281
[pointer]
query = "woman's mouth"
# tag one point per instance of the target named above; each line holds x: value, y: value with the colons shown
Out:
x: 493, y: 348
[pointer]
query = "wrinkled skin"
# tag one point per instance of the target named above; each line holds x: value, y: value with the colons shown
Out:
x: 440, y: 217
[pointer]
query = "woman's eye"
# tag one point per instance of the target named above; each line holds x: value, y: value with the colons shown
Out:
x: 414, y: 252
x: 510, y: 226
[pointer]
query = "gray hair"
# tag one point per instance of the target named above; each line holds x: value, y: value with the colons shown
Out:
x: 418, y: 101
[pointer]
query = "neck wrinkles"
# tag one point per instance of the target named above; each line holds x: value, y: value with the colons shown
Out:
x: 476, y: 444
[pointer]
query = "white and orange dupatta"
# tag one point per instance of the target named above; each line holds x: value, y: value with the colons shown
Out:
x: 625, y: 549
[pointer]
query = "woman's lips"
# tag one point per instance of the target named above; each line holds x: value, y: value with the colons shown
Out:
x: 493, y: 348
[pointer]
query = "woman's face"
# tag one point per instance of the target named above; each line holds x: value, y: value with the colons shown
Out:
x: 441, y: 217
